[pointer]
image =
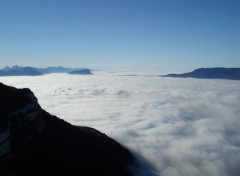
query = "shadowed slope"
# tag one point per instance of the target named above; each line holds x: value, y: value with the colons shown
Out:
x: 33, y: 142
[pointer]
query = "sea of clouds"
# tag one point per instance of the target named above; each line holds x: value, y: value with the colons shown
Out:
x: 176, y: 127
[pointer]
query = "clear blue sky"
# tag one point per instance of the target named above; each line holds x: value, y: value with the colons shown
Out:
x: 120, y: 34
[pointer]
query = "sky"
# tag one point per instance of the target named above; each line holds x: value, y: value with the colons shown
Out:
x: 180, y: 127
x: 167, y: 35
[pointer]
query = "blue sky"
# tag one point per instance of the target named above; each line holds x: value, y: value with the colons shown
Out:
x: 168, y: 35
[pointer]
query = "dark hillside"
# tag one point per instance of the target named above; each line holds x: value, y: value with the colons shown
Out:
x: 33, y: 142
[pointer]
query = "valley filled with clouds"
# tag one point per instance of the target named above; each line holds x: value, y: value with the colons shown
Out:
x: 182, y: 127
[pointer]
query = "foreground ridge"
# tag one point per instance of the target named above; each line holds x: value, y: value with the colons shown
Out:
x: 34, y: 142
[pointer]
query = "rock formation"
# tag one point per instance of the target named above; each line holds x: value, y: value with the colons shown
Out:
x: 33, y: 142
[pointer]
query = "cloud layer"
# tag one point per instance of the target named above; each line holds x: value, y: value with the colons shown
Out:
x: 183, y: 127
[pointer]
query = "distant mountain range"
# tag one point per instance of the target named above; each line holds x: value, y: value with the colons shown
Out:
x: 210, y: 73
x: 32, y: 71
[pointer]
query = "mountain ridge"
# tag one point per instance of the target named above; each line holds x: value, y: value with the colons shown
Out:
x: 210, y: 73
x: 33, y: 71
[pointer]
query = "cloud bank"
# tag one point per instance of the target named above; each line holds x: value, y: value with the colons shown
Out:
x: 183, y: 127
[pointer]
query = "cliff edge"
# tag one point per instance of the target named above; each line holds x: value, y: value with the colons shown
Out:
x: 34, y: 142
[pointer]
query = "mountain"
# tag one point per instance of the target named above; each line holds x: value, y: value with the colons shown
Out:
x: 81, y: 72
x: 59, y: 69
x: 211, y: 73
x: 31, y: 71
x: 7, y: 68
x: 34, y: 142
x: 19, y: 71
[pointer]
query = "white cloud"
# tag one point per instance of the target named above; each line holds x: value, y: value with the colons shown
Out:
x: 183, y: 127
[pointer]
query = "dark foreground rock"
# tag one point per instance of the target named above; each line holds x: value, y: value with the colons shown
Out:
x: 33, y: 142
x: 210, y: 73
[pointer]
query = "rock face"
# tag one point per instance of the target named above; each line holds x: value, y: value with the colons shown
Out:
x: 211, y: 73
x: 33, y: 142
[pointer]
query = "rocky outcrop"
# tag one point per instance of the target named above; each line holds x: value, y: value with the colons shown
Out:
x: 210, y: 73
x: 33, y: 142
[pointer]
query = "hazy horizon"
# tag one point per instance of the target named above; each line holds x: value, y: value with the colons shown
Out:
x: 122, y: 71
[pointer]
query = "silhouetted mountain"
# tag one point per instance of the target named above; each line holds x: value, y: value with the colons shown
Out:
x: 59, y: 69
x: 210, y: 73
x: 19, y: 71
x: 31, y: 71
x: 7, y: 68
x: 33, y: 142
x: 81, y: 72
